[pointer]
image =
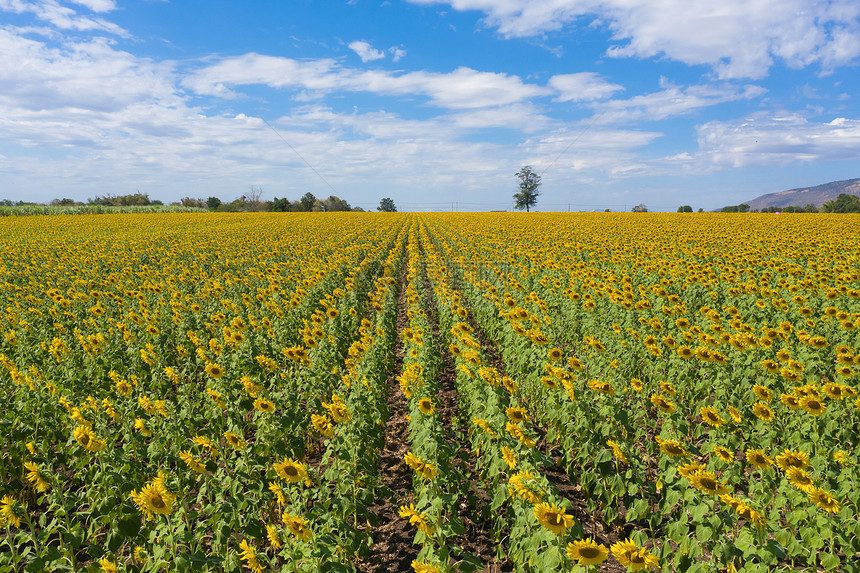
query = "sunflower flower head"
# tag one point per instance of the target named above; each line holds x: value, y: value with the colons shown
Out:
x: 553, y: 518
x: 587, y: 552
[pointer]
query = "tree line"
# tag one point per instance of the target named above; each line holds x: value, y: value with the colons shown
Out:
x: 249, y: 202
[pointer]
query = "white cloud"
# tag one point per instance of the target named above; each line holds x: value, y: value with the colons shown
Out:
x: 770, y: 140
x: 738, y: 38
x: 464, y: 88
x: 397, y: 54
x: 97, y: 5
x: 366, y: 52
x: 582, y: 86
x: 66, y: 18
x: 672, y: 101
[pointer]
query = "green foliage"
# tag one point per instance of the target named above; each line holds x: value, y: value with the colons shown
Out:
x: 844, y: 203
x: 528, y: 186
x: 386, y: 204
x: 139, y: 199
x: 213, y: 203
x: 685, y: 209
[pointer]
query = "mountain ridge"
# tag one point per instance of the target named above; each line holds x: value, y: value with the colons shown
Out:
x: 801, y: 196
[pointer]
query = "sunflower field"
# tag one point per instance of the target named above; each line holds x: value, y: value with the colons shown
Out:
x: 429, y: 393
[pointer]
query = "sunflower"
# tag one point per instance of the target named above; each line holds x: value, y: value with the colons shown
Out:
x: 291, y: 471
x: 234, y: 440
x: 762, y: 393
x: 800, y: 479
x: 770, y: 366
x: 36, y: 477
x: 322, y: 424
x: 525, y: 486
x: 273, y: 536
x: 214, y: 370
x: 249, y: 555
x: 750, y: 514
x: 707, y: 482
x: 517, y: 415
x: 417, y: 519
x: 617, y: 451
x: 264, y: 405
x: 587, y: 552
x: 83, y: 434
x: 792, y: 459
x: 10, y: 512
x: 553, y: 517
x: 555, y: 354
x: 790, y: 401
x: 833, y: 390
x: 629, y: 555
x: 517, y: 432
x: 636, y: 384
x: 424, y: 567
x: 733, y: 412
x: 823, y: 499
x: 813, y: 406
x: 424, y: 469
x: 192, y: 462
x: 758, y: 459
x: 671, y: 448
x: 297, y: 526
x: 724, y: 454
x: 762, y: 411
x: 664, y: 404
x: 685, y: 352
x: 509, y: 456
x: 154, y: 498
x: 711, y: 417
x: 425, y: 406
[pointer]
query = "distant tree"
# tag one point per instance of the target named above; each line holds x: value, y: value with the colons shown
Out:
x: 306, y: 203
x: 640, y: 208
x: 700, y: 210
x: 844, y: 203
x: 743, y: 208
x: 730, y: 209
x: 685, y: 209
x: 192, y: 202
x: 335, y: 203
x: 64, y: 202
x: 280, y: 205
x: 140, y: 199
x: 386, y: 205
x: 213, y: 203
x: 529, y: 183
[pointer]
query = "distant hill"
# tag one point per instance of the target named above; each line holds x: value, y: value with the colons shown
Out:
x: 805, y: 195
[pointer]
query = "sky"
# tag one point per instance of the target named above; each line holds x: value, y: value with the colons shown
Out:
x: 436, y: 104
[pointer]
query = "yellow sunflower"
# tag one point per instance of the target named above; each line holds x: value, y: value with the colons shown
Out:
x: 587, y: 552
x: 291, y: 471
x: 154, y: 498
x: 758, y: 459
x: 553, y: 517
x: 425, y: 406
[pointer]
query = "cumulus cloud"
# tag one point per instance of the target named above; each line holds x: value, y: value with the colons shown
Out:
x: 366, y: 52
x: 673, y: 101
x: 582, y: 86
x: 766, y: 139
x: 737, y: 38
x: 65, y: 18
x: 459, y: 89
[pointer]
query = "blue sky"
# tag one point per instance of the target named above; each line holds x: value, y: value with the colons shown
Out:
x: 434, y: 103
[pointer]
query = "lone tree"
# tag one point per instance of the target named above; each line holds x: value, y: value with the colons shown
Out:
x: 387, y: 205
x: 528, y: 185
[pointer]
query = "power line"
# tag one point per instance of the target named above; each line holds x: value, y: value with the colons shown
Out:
x: 575, y: 139
x: 300, y: 155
